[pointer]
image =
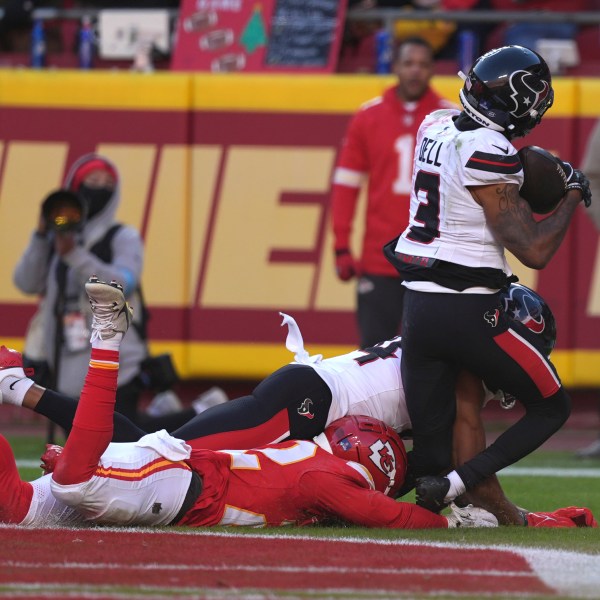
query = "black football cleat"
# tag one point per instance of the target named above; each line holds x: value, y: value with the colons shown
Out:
x: 431, y: 491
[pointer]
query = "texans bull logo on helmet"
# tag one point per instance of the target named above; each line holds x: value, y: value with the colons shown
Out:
x: 525, y: 308
x: 529, y: 92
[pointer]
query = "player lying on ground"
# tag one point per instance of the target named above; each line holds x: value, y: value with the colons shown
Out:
x: 381, y: 389
x: 160, y: 480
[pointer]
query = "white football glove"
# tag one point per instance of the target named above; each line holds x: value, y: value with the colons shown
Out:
x: 470, y: 516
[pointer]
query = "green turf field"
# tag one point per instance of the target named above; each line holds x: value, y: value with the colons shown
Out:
x: 558, y: 479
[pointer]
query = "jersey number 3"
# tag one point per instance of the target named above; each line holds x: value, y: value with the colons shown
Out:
x: 427, y: 215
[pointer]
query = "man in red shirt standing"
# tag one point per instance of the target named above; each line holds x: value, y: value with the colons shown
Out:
x: 379, y: 143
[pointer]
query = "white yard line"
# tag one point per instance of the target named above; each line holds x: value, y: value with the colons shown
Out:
x: 509, y: 471
x: 549, y: 472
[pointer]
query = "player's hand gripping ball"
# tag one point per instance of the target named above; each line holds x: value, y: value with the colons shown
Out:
x: 545, y: 181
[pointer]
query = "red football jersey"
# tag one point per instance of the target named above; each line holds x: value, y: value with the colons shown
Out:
x: 294, y: 482
x: 380, y: 143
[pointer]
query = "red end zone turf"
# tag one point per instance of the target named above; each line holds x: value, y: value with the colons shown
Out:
x: 97, y: 562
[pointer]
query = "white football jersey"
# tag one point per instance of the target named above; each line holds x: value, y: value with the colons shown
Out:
x: 365, y: 383
x: 361, y: 382
x: 134, y: 483
x: 446, y: 222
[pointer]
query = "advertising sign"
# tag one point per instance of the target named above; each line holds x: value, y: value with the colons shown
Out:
x: 225, y: 36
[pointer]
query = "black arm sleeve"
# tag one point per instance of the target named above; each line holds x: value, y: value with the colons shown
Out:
x: 60, y: 409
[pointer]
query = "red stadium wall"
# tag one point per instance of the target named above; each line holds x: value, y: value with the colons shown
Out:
x: 227, y: 178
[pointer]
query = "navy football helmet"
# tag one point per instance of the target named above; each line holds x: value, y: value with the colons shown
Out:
x: 508, y: 89
x: 528, y: 307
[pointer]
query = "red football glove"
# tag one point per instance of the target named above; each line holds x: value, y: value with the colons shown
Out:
x: 50, y: 458
x: 345, y: 265
x: 571, y: 516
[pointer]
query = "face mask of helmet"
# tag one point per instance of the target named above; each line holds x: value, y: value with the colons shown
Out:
x: 509, y: 90
x: 96, y: 198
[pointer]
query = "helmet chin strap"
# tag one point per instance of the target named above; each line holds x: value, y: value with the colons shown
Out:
x: 477, y: 116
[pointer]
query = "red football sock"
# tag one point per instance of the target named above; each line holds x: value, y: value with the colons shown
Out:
x: 93, y: 423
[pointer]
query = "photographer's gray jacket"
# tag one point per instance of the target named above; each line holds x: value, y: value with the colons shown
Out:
x: 36, y: 273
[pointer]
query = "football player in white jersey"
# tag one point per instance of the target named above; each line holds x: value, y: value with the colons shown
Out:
x: 465, y: 211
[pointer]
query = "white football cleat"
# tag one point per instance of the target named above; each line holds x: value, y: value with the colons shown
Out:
x: 470, y: 516
x: 111, y: 312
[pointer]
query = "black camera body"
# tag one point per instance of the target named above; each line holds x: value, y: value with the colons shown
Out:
x: 158, y: 373
x: 64, y: 211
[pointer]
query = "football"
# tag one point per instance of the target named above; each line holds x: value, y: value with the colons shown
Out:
x: 545, y: 180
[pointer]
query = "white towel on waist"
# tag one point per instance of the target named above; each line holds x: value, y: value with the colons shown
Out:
x: 294, y: 342
x: 166, y: 445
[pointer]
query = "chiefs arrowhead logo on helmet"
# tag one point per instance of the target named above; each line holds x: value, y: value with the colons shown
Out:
x: 382, y: 456
x: 374, y: 445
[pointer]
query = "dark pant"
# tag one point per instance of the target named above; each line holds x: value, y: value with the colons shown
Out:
x: 379, y: 308
x: 442, y: 333
x: 293, y: 399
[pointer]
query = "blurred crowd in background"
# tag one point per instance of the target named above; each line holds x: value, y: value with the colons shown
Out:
x: 359, y: 49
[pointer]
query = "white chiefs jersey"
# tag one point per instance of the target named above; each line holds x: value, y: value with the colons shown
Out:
x: 363, y: 382
x: 446, y: 222
x: 138, y: 483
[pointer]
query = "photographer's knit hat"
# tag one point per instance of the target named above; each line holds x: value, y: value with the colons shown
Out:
x: 82, y: 169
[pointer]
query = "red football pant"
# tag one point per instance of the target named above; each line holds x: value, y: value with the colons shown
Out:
x: 15, y: 495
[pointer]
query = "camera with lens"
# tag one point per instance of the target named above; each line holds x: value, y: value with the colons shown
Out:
x: 64, y: 211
